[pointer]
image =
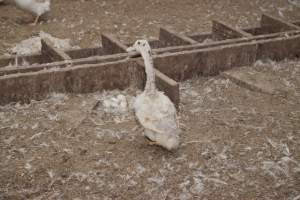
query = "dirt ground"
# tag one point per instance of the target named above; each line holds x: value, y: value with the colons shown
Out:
x: 236, y: 143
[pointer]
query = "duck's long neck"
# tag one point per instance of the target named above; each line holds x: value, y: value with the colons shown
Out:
x: 150, y: 74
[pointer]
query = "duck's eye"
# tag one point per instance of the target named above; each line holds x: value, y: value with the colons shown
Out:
x: 138, y: 42
x: 144, y: 44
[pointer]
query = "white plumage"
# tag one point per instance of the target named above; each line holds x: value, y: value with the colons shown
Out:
x: 35, y: 7
x: 116, y: 103
x: 153, y: 109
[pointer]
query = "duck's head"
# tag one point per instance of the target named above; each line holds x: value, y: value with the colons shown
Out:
x: 140, y: 46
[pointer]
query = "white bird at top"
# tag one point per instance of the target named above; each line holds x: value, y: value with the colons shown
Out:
x: 153, y: 109
x: 35, y: 7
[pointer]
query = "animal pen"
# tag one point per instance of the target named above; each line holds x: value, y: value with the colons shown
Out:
x: 176, y: 58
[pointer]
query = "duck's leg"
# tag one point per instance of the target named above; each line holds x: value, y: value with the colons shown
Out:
x: 150, y: 137
x: 35, y: 21
x: 152, y: 143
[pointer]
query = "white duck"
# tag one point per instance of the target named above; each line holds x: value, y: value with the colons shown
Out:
x: 35, y: 7
x: 153, y: 109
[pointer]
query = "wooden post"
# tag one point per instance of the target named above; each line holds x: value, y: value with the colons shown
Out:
x: 53, y: 53
x: 222, y: 31
x: 171, y: 38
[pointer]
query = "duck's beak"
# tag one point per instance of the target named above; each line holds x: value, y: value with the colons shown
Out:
x: 133, y: 53
x: 130, y: 49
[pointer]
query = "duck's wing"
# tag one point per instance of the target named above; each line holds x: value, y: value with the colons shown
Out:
x: 156, y: 114
x: 161, y: 125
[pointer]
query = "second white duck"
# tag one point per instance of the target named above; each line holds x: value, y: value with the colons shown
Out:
x: 35, y: 7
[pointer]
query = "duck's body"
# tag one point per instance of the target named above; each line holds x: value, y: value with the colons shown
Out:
x: 153, y: 109
x: 157, y: 114
x: 35, y: 7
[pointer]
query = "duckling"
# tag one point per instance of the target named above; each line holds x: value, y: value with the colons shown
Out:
x: 153, y: 109
x: 35, y: 7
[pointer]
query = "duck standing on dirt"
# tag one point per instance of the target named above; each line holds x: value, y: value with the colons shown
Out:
x: 153, y: 109
x: 35, y: 7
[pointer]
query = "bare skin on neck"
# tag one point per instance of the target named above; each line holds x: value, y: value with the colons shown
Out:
x: 150, y: 82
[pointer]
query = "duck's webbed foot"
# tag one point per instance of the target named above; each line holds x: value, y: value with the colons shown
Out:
x: 35, y: 21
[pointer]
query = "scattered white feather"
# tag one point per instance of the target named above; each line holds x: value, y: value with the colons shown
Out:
x: 215, y: 180
x: 198, y: 186
x: 185, y: 195
x: 53, y: 117
x: 35, y: 126
x: 50, y: 173
x: 157, y: 180
x: 37, y: 135
x: 140, y: 169
x: 28, y: 166
x: 281, y: 14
